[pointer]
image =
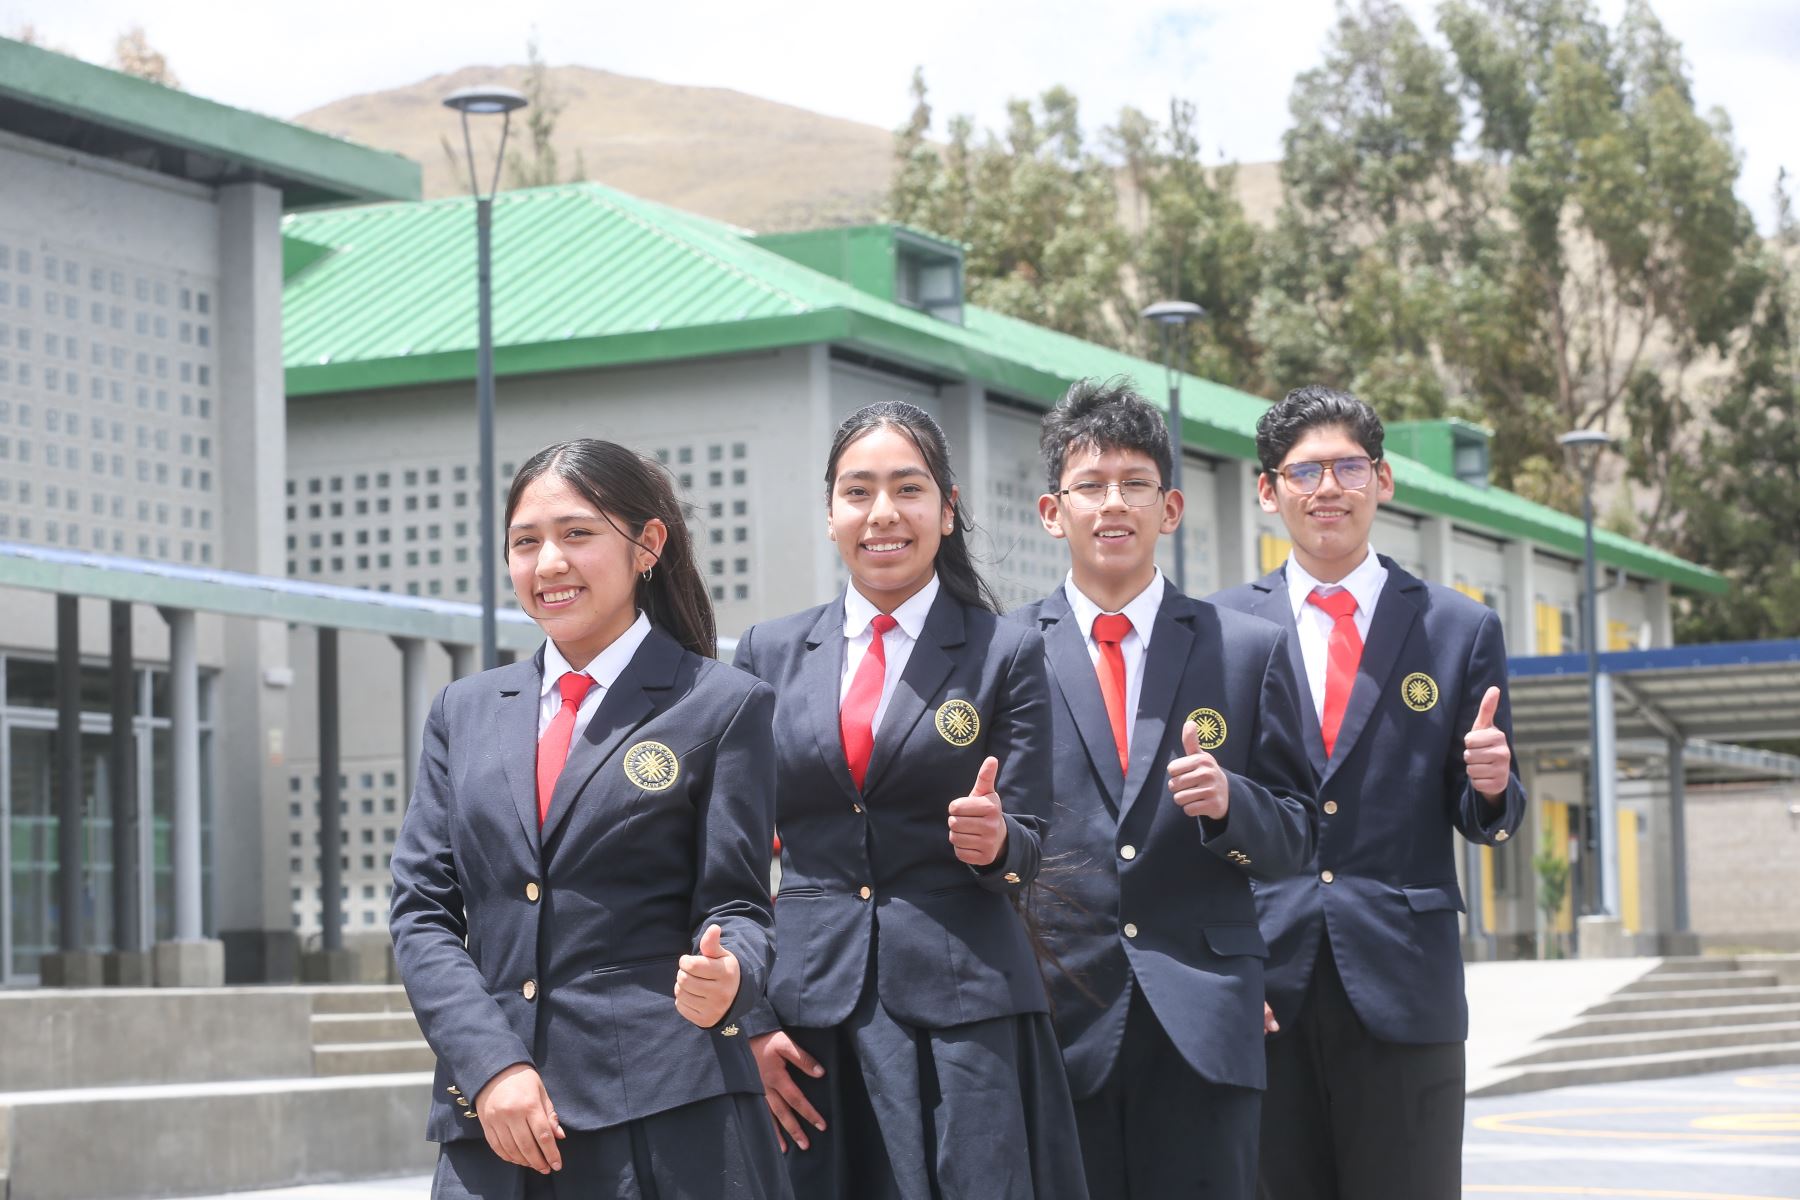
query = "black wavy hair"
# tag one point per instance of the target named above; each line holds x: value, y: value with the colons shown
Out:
x: 954, y: 564
x: 1314, y: 406
x: 623, y: 484
x: 1103, y: 415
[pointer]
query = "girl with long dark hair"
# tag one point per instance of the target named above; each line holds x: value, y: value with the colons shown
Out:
x: 905, y: 1049
x: 581, y: 911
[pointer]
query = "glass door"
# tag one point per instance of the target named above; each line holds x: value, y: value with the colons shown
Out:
x: 29, y: 898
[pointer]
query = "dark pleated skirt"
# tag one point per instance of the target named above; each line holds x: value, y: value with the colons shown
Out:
x: 721, y: 1148
x: 979, y: 1110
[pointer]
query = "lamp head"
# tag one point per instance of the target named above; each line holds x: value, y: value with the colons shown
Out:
x: 1173, y: 313
x: 480, y: 101
x: 1584, y: 447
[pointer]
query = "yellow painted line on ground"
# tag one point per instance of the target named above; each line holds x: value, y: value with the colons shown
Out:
x: 1752, y: 1122
x: 1510, y: 1123
x: 1502, y: 1189
x: 1789, y: 1079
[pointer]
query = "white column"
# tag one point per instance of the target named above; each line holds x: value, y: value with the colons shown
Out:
x: 184, y: 696
x: 1520, y: 618
x: 415, y: 699
x: 1234, y: 500
x: 1607, y: 803
x: 1436, y: 548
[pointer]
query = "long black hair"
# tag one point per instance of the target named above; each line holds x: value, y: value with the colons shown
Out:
x: 953, y: 563
x: 623, y: 484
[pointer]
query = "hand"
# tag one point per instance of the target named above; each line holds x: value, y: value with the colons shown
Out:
x: 1486, y: 755
x: 788, y: 1105
x: 1197, y: 781
x: 519, y: 1120
x: 707, y: 982
x: 977, y: 828
x: 1270, y: 1024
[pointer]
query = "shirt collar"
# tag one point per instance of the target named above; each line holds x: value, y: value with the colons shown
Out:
x: 604, y: 669
x: 859, y: 610
x: 1140, y: 610
x: 1364, y: 582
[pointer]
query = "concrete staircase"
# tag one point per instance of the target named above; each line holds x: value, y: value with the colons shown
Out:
x: 124, y: 1093
x: 366, y: 1031
x: 1687, y: 1016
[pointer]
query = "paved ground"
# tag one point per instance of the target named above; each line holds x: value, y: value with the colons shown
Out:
x: 1733, y: 1136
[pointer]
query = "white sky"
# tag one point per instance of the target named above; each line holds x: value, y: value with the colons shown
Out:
x: 1235, y: 58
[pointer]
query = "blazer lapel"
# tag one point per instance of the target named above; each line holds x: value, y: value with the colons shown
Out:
x: 1277, y: 607
x: 516, y: 717
x: 1395, y: 613
x: 1073, y: 669
x: 819, y: 680
x: 623, y: 708
x: 1165, y: 661
x: 926, y: 669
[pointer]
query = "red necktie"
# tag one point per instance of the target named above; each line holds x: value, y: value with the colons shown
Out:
x: 553, y: 747
x: 856, y: 718
x: 1109, y: 630
x: 1342, y: 656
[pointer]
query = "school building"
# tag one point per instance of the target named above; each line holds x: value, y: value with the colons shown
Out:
x: 236, y: 382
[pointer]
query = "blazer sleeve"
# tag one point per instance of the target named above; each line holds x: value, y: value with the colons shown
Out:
x: 1480, y: 820
x: 758, y: 1015
x: 1021, y: 741
x: 1273, y: 820
x: 736, y: 820
x: 460, y: 1019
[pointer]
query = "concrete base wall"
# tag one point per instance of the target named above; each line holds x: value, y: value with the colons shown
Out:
x: 84, y: 1039
x: 1743, y: 857
x: 200, y: 1139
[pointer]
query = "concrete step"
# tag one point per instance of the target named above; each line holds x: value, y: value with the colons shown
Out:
x: 1694, y: 981
x: 334, y: 1028
x: 1617, y: 1045
x: 372, y: 1058
x: 1641, y: 1066
x: 359, y: 998
x: 1664, y: 1020
x: 1710, y: 998
x: 1700, y: 964
x: 135, y: 1143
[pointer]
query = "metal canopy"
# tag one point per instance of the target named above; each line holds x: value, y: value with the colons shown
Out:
x: 1722, y: 692
x: 237, y: 594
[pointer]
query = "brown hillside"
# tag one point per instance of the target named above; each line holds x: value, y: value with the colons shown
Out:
x: 738, y: 158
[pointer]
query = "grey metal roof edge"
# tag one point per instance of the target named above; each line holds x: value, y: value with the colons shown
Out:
x: 261, y: 597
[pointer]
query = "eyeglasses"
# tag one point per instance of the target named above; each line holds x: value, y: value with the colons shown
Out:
x: 1090, y: 494
x: 1352, y: 474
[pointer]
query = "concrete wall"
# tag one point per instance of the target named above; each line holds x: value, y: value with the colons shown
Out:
x: 1743, y: 859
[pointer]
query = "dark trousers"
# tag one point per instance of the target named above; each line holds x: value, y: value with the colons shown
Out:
x: 1348, y: 1117
x: 1156, y: 1130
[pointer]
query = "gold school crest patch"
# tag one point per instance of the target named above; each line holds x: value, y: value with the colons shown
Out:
x: 958, y: 722
x: 1209, y: 723
x: 652, y: 766
x: 1420, y: 691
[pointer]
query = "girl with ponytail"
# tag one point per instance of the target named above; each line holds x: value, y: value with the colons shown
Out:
x: 581, y: 913
x: 905, y: 1048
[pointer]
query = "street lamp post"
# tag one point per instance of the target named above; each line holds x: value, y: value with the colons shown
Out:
x: 1584, y: 447
x: 1172, y: 318
x: 483, y: 101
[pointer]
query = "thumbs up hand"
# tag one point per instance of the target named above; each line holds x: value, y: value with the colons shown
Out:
x: 1197, y: 781
x: 977, y: 828
x: 1486, y: 756
x: 706, y: 983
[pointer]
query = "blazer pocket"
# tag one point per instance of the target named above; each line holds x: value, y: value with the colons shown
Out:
x: 1433, y: 897
x: 632, y: 964
x: 799, y: 893
x: 1229, y: 940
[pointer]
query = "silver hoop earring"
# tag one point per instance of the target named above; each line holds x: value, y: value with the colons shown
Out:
x: 645, y: 575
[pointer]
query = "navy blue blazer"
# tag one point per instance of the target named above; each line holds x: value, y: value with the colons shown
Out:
x: 952, y: 948
x: 1121, y: 851
x: 1390, y: 795
x: 659, y: 827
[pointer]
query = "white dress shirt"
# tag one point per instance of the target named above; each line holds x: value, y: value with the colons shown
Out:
x: 896, y: 646
x: 604, y: 671
x: 1141, y: 611
x: 1313, y: 623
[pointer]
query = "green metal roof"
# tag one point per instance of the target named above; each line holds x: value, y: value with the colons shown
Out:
x: 588, y: 277
x: 53, y: 98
